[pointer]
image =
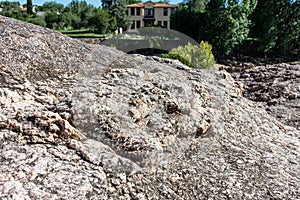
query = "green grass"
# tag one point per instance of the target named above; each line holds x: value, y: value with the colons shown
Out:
x: 74, y: 31
x: 82, y: 33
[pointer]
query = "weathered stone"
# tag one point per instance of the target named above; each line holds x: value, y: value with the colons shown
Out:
x: 66, y: 130
x: 202, y: 128
x: 273, y: 84
x: 3, y: 121
x: 77, y: 140
x: 15, y: 126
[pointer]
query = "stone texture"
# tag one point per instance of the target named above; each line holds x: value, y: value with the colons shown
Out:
x: 278, y: 86
x: 106, y: 125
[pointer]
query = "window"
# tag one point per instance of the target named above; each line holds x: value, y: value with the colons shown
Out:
x: 132, y: 11
x: 138, y: 11
x: 165, y: 11
x: 133, y: 25
x: 172, y: 10
x: 159, y: 23
x: 138, y: 24
x: 166, y: 24
x: 149, y: 13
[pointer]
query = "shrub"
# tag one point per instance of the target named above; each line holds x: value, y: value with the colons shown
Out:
x: 37, y: 21
x: 195, y: 56
x: 178, y: 57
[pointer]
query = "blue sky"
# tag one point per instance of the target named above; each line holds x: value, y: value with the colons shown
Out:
x: 96, y: 3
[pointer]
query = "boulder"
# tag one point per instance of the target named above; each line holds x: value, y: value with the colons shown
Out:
x: 79, y: 121
x: 278, y: 87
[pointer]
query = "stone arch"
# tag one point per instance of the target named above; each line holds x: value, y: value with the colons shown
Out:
x: 148, y: 38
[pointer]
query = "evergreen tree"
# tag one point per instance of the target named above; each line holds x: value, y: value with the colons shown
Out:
x: 52, y: 6
x: 29, y: 7
x: 228, y: 24
x: 197, y: 4
x: 224, y: 24
x: 107, y: 3
x: 184, y: 18
x: 277, y: 25
x: 118, y: 10
x: 132, y: 1
x: 100, y: 21
x: 291, y: 42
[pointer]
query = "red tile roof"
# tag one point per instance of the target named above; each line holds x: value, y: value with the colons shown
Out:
x: 136, y: 5
x: 155, y: 5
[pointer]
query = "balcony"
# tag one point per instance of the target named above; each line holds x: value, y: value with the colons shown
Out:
x: 149, y: 13
x: 149, y: 16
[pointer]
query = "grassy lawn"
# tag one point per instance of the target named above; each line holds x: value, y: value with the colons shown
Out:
x: 82, y: 33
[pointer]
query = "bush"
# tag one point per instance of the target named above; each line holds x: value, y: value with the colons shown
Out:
x: 178, y: 57
x: 195, y: 56
x: 37, y: 21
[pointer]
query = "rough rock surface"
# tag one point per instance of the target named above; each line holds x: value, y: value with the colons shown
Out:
x: 89, y: 122
x: 278, y: 86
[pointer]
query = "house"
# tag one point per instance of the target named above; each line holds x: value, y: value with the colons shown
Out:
x: 24, y: 10
x: 150, y: 13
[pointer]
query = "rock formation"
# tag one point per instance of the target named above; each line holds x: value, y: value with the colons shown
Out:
x: 79, y: 121
x: 278, y: 87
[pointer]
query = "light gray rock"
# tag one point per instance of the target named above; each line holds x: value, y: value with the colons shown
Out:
x: 278, y: 86
x: 139, y: 127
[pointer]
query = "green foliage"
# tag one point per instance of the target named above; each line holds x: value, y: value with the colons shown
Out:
x: 132, y: 1
x: 83, y: 11
x: 70, y: 20
x: 77, y: 15
x: 107, y: 3
x: 277, y: 25
x: 178, y: 57
x: 228, y: 24
x: 197, y: 5
x: 37, y: 21
x: 291, y: 41
x: 11, y: 9
x: 52, y: 6
x: 29, y: 7
x: 188, y: 22
x: 52, y: 20
x: 98, y: 21
x: 224, y: 24
x: 118, y: 10
x: 193, y: 55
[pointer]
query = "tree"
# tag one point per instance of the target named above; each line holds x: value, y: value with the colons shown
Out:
x: 11, y: 9
x: 52, y: 20
x: 183, y: 19
x: 228, y: 24
x: 29, y: 7
x: 107, y: 3
x: 37, y: 20
x: 132, y: 1
x: 118, y: 10
x: 276, y: 25
x: 70, y: 20
x: 197, y: 4
x: 291, y: 42
x: 52, y: 7
x: 82, y: 10
x: 101, y: 21
x: 224, y: 24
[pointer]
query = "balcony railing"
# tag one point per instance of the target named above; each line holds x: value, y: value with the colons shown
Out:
x: 149, y: 16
